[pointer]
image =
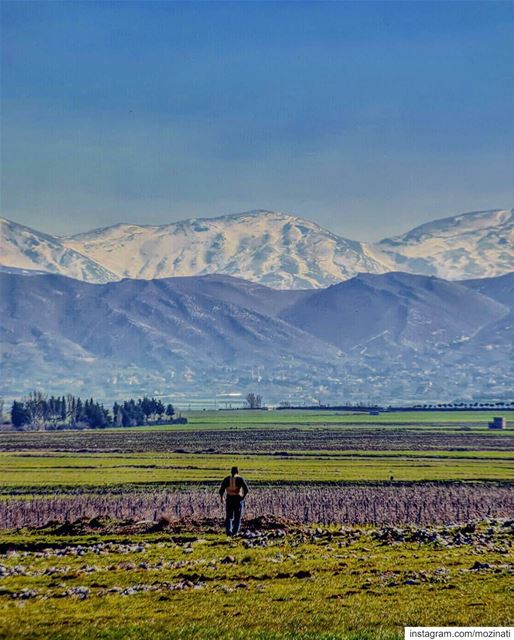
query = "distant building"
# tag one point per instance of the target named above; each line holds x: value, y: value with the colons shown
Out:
x: 498, y: 423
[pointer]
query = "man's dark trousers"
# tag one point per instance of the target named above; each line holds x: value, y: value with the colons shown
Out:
x: 235, y: 507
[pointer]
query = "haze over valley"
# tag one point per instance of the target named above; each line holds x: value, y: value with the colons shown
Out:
x: 262, y: 301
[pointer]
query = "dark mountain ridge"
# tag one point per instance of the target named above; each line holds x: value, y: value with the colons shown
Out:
x: 393, y: 337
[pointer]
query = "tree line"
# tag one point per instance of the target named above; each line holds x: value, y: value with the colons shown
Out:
x: 37, y: 411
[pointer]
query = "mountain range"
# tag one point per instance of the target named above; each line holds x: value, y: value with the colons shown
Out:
x: 271, y: 248
x: 385, y: 337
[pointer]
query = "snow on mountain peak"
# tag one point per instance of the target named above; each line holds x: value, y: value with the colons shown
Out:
x: 274, y: 248
x: 271, y: 247
x: 471, y: 245
x: 463, y: 223
x: 24, y: 248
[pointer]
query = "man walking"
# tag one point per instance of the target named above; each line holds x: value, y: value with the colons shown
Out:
x: 236, y: 489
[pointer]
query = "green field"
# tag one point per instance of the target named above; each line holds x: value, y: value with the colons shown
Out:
x: 269, y: 446
x: 225, y: 419
x: 294, y: 579
x: 22, y: 470
x: 304, y: 584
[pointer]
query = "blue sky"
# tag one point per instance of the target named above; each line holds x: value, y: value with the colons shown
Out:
x: 367, y: 117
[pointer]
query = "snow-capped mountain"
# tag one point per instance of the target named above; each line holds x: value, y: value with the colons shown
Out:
x: 471, y: 245
x: 275, y: 249
x: 22, y: 248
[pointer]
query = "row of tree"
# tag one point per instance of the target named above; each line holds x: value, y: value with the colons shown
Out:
x: 142, y: 411
x: 38, y: 411
x: 361, y: 406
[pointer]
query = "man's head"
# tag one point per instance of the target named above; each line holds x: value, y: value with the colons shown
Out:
x: 234, y: 471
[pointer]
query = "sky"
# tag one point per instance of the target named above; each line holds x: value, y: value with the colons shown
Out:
x: 367, y: 117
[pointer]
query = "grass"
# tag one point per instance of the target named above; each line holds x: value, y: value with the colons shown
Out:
x: 51, y: 470
x: 354, y: 587
x: 280, y: 419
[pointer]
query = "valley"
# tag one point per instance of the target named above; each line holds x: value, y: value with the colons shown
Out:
x: 353, y: 528
x: 384, y: 338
